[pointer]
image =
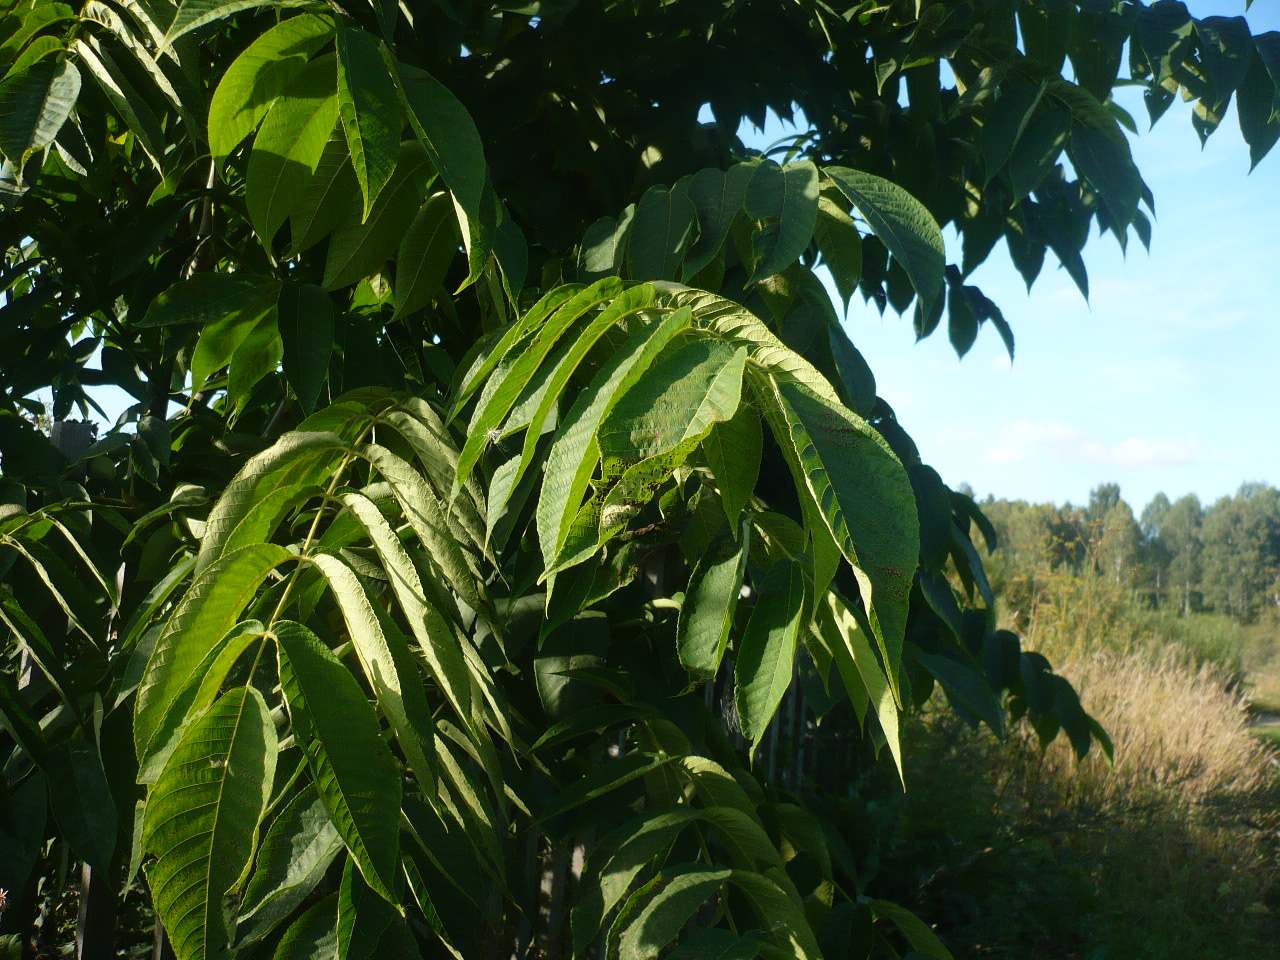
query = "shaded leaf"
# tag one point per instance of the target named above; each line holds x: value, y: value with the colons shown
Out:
x: 354, y: 771
x: 202, y: 819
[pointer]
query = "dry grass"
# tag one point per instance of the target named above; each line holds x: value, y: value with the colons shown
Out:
x: 1170, y: 854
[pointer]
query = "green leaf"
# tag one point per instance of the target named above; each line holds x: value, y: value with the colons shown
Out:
x: 967, y: 687
x: 381, y: 666
x: 288, y: 148
x: 859, y: 667
x: 604, y: 779
x: 604, y: 247
x: 706, y: 617
x: 840, y: 244
x: 624, y: 310
x: 221, y: 340
x: 362, y: 916
x: 314, y: 935
x: 1037, y: 149
x: 660, y: 231
x: 295, y: 854
x: 687, y: 392
x: 787, y: 198
x: 194, y: 14
x: 257, y: 355
x: 17, y: 719
x: 1005, y: 122
x: 355, y: 772
x: 506, y: 388
x: 717, y: 196
x: 718, y: 944
x: 34, y: 643
x: 431, y: 630
x: 617, y: 860
x: 864, y: 497
x: 120, y: 93
x: 859, y: 382
x: 34, y: 104
x: 902, y: 223
x: 428, y: 248
x: 211, y: 607
x: 204, y: 299
x: 916, y: 930
x: 575, y: 452
x: 81, y: 801
x: 305, y: 320
x: 331, y: 199
x: 359, y: 248
x: 453, y: 143
x: 663, y: 419
x: 766, y: 654
x: 202, y: 819
x: 298, y: 459
x: 667, y: 908
x: 733, y: 450
x: 370, y: 111
x: 259, y: 76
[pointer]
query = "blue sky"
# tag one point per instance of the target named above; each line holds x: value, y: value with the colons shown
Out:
x: 1165, y: 380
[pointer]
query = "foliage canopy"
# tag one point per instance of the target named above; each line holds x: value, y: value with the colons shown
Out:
x: 498, y: 471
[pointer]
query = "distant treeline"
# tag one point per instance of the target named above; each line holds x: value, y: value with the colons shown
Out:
x: 1224, y: 557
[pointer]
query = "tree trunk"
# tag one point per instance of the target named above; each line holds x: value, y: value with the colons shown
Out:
x: 96, y: 924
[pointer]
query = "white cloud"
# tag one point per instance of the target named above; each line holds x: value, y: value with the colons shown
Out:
x: 1025, y: 441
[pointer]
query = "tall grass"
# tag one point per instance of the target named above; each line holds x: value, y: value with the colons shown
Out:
x: 1171, y: 853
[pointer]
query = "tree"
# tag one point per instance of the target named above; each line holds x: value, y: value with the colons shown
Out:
x: 1239, y: 560
x: 1119, y: 545
x: 497, y: 458
x: 1181, y: 532
x: 1154, y: 550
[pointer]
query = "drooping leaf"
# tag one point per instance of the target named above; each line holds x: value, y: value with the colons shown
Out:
x: 121, y: 94
x: 81, y: 801
x: 314, y: 935
x: 766, y: 654
x: 210, y: 608
x: 505, y: 389
x: 575, y: 451
x: 840, y: 243
x: 863, y: 675
x: 288, y: 148
x: 717, y: 196
x: 902, y: 223
x: 259, y: 76
x: 295, y: 853
x: 428, y: 248
x: 360, y: 246
x: 298, y: 460
x: 305, y: 321
x: 449, y: 135
x: 367, y: 101
x: 660, y: 232
x: 34, y: 104
x: 204, y: 299
x: 667, y: 907
x: 786, y: 198
x: 604, y: 247
x: 194, y: 14
x: 702, y: 630
x: 355, y: 772
x: 221, y: 341
x: 733, y: 450
x: 202, y: 819
x: 863, y: 496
